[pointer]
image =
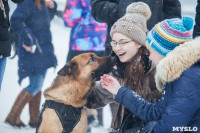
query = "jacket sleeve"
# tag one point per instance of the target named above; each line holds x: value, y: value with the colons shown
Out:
x: 172, y: 9
x: 178, y: 110
x: 99, y: 97
x: 17, y: 1
x: 17, y: 21
x: 144, y: 109
x: 105, y: 11
x: 73, y: 13
x: 52, y: 11
x: 196, y: 31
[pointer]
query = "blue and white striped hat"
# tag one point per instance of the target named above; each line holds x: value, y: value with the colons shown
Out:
x: 169, y: 33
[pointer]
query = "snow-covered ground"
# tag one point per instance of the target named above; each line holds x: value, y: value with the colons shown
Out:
x: 10, y: 87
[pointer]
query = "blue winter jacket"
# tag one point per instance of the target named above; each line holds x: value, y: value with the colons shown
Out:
x: 33, y: 28
x: 178, y: 110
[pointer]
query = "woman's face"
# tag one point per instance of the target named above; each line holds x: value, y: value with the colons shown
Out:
x: 124, y: 47
x: 155, y: 56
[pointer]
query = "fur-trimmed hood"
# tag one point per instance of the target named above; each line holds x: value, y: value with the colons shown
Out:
x: 176, y: 62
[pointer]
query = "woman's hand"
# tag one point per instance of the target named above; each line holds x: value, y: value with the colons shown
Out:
x: 30, y: 49
x: 27, y: 48
x: 110, y: 83
x: 50, y: 3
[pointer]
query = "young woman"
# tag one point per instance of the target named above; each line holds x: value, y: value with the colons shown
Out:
x: 178, y: 76
x: 31, y: 21
x: 134, y: 69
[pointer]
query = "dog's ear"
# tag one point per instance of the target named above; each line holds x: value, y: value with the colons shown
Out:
x: 72, y: 67
x: 68, y: 69
x: 63, y: 71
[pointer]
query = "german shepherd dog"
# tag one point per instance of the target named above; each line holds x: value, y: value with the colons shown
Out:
x: 71, y: 88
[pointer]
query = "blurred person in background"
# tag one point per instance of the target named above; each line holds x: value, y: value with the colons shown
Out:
x: 196, y: 31
x: 31, y: 22
x: 87, y: 35
x: 5, y: 46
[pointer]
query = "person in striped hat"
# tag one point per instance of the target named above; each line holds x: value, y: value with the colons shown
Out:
x: 177, y: 59
x: 168, y: 34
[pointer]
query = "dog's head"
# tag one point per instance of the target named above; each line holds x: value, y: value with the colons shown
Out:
x: 86, y: 66
x: 77, y: 77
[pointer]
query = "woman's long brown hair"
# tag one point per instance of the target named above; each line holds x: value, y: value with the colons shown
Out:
x: 134, y: 72
x: 37, y: 3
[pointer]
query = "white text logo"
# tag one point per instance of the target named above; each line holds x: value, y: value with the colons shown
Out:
x: 194, y: 129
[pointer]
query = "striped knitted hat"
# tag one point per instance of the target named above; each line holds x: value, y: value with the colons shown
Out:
x: 168, y: 34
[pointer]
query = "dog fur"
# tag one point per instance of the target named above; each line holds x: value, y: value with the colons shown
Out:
x: 71, y: 87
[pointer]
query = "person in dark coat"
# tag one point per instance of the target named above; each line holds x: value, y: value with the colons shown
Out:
x: 5, y: 46
x: 177, y: 59
x: 196, y: 31
x: 31, y: 22
x: 109, y: 11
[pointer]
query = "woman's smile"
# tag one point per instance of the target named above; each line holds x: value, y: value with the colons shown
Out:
x: 121, y: 55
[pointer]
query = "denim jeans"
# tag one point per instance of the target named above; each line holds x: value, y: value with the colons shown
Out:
x: 2, y: 69
x: 36, y: 82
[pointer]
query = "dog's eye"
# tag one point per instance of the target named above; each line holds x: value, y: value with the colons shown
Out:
x: 92, y: 59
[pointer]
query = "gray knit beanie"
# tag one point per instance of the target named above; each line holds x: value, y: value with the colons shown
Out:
x: 133, y: 23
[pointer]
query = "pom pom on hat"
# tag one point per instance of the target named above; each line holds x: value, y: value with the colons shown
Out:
x: 170, y: 33
x: 188, y: 23
x: 139, y: 7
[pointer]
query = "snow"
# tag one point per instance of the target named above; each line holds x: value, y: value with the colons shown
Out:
x: 11, y: 89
